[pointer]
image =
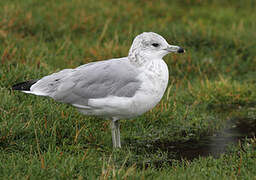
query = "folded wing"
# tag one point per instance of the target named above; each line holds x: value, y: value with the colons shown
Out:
x: 90, y: 81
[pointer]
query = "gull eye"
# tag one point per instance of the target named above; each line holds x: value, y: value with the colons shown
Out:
x: 155, y: 44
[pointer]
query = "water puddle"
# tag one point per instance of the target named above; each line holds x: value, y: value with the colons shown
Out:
x: 215, y: 145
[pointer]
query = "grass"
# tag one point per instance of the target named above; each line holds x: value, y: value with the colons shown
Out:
x: 210, y: 86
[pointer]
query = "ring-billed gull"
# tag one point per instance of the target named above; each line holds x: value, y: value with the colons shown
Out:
x: 119, y: 88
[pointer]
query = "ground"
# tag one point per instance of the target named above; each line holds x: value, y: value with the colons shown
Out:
x: 204, y: 127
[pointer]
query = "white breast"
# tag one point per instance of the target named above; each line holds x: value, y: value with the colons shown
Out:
x: 155, y: 79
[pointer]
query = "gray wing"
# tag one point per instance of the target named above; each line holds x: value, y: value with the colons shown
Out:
x: 115, y: 77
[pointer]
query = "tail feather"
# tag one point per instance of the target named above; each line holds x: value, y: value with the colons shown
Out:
x: 24, y: 86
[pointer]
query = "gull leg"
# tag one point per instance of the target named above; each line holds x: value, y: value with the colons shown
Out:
x: 118, y: 142
x: 113, y: 131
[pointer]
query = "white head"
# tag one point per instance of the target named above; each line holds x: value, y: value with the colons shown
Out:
x: 150, y: 45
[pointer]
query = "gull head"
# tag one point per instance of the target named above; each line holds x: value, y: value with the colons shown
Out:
x: 150, y: 45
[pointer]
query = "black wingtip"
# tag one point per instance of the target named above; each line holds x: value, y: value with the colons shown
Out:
x: 24, y: 86
x: 181, y: 50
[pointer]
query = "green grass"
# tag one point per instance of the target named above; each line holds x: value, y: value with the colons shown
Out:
x: 211, y: 85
